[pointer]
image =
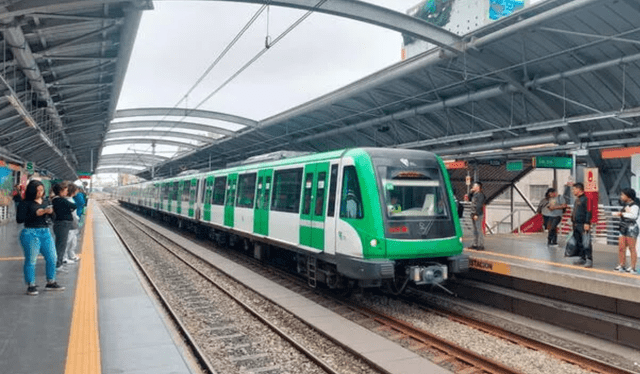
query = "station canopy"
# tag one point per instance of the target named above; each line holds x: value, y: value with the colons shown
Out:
x: 63, y: 64
x: 558, y: 77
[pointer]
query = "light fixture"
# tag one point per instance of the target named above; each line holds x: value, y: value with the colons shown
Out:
x: 535, y: 146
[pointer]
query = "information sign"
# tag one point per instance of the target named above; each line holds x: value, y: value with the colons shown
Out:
x: 29, y: 167
x: 516, y: 165
x: 552, y: 162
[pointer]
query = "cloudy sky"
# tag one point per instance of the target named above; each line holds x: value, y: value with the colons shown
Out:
x: 178, y: 40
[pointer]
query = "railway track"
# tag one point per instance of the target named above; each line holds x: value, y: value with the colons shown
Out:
x: 452, y: 356
x: 241, y: 349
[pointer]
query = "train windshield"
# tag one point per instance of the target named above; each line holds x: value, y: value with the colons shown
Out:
x: 414, y: 193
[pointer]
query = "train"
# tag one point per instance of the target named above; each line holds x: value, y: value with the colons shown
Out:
x: 361, y: 217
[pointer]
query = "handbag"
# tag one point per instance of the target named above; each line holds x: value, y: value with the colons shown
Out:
x: 571, y: 248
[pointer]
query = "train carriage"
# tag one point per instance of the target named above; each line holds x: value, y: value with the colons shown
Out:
x: 361, y: 216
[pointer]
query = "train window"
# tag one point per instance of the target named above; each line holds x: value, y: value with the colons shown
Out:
x: 231, y: 193
x: 286, y: 190
x: 186, y: 191
x: 332, y: 191
x: 351, y: 203
x: 208, y: 191
x: 308, y: 188
x: 219, y: 188
x: 174, y: 191
x: 246, y: 190
x: 320, y: 193
x: 417, y: 192
x: 267, y: 193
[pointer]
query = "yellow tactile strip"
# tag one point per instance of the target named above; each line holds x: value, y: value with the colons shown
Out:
x: 83, y: 353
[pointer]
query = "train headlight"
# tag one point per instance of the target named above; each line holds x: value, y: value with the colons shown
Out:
x: 374, y: 243
x: 460, y: 240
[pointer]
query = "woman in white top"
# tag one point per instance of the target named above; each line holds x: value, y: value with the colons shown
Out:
x: 628, y: 230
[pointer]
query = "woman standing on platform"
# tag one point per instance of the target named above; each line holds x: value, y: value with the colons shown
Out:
x: 64, y: 219
x: 36, y: 237
x: 628, y: 230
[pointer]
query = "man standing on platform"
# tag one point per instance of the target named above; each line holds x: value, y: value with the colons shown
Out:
x: 581, y: 218
x: 477, y: 215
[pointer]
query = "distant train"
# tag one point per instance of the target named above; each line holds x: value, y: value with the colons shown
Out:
x: 362, y: 217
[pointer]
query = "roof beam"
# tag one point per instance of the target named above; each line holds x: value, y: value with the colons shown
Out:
x: 163, y: 133
x: 174, y: 143
x: 375, y: 15
x: 171, y: 124
x: 179, y: 112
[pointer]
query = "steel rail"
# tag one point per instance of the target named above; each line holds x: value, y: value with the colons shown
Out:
x: 315, y: 359
x: 201, y: 356
x: 560, y: 353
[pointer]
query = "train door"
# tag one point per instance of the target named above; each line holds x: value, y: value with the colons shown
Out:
x: 193, y: 194
x: 232, y: 182
x: 314, y: 196
x: 330, y: 220
x: 180, y: 196
x: 208, y: 195
x: 261, y: 214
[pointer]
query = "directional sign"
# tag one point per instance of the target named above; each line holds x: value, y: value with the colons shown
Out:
x: 516, y: 165
x: 552, y: 162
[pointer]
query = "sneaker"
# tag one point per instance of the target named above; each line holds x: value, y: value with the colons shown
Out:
x: 588, y: 264
x: 619, y: 268
x: 480, y: 248
x: 631, y: 270
x: 32, y: 290
x: 68, y: 261
x: 61, y: 269
x: 76, y: 259
x: 53, y: 286
x: 580, y: 261
x: 473, y: 247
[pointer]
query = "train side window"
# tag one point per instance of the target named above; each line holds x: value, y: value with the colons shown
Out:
x: 308, y: 187
x: 351, y: 203
x: 267, y: 193
x: 174, y: 191
x: 186, y: 191
x: 219, y: 188
x: 286, y: 190
x: 246, y: 190
x: 208, y: 191
x: 332, y: 191
x: 320, y: 193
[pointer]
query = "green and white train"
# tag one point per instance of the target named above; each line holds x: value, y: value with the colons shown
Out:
x: 363, y: 217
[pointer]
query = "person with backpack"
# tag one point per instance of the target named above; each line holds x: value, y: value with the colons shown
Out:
x: 629, y: 230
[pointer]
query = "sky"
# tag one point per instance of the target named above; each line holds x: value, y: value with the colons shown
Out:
x: 178, y: 40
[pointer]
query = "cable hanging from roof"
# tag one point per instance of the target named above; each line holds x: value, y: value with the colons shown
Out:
x: 250, y: 62
x: 211, y: 66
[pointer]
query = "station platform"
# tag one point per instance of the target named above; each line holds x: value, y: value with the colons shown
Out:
x: 103, y: 322
x: 527, y: 256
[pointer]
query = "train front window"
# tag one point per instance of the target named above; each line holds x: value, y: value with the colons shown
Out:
x: 415, y: 193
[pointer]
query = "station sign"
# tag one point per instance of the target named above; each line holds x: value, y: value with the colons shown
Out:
x: 516, y: 165
x: 29, y: 167
x: 83, y: 175
x: 551, y: 162
x: 455, y: 165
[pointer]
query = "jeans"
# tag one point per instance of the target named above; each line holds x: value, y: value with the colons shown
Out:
x: 552, y: 226
x: 36, y: 241
x: 61, y: 230
x: 583, y: 241
x: 478, y: 234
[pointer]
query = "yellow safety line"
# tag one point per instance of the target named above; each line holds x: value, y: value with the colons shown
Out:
x: 83, y: 353
x: 610, y: 272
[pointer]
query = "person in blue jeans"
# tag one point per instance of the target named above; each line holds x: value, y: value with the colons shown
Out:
x: 36, y: 237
